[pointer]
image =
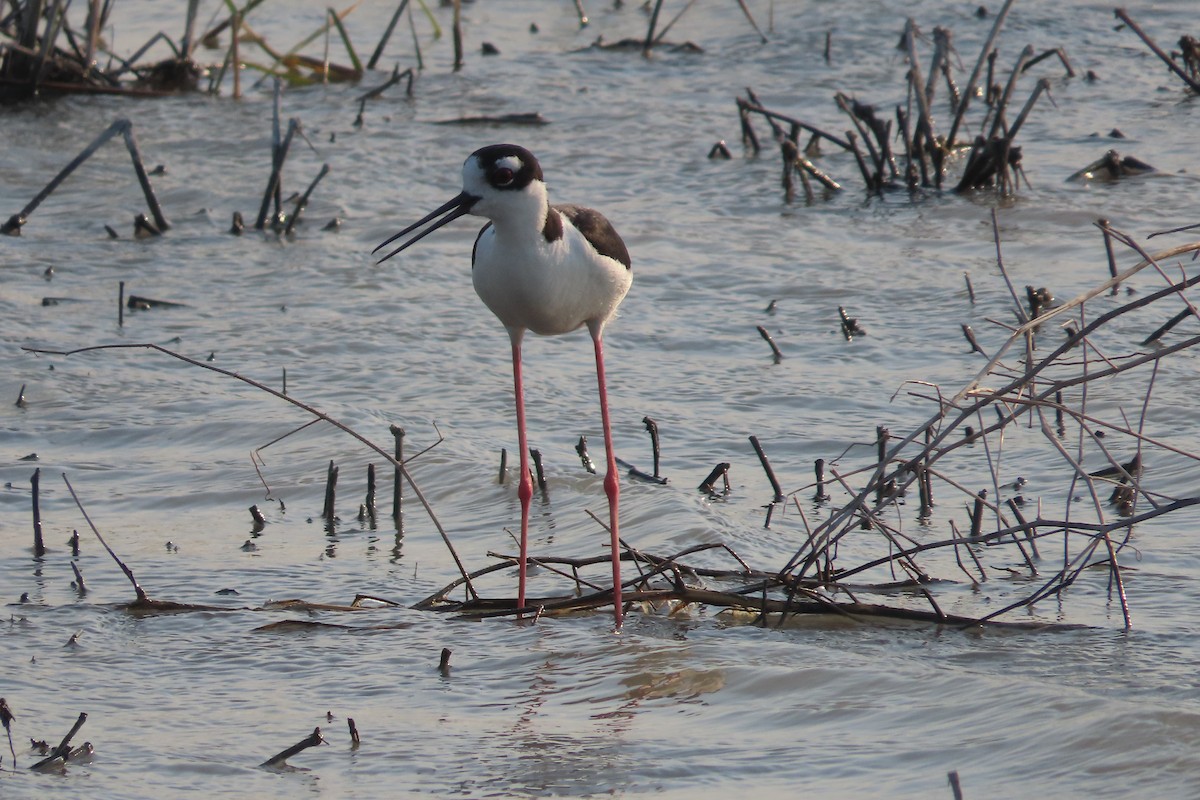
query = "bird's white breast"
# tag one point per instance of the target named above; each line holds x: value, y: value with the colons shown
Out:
x: 548, y: 287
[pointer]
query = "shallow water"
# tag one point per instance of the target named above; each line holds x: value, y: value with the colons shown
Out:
x: 696, y: 705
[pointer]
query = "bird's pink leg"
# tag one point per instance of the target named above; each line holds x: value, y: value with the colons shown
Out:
x: 525, y: 485
x: 612, y: 485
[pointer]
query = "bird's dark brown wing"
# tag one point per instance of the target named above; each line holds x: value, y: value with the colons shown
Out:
x: 595, y: 227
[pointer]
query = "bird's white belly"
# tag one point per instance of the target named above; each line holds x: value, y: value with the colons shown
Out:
x: 547, y: 287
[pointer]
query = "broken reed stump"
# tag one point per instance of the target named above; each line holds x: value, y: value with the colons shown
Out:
x: 535, y: 456
x: 652, y: 429
x: 328, y: 510
x: 397, y: 487
x: 584, y: 458
x: 721, y: 470
x: 39, y: 544
x: 778, y: 355
x: 368, y: 506
x: 969, y: 335
x: 819, y: 473
x: 766, y: 465
x: 6, y: 718
x: 80, y: 587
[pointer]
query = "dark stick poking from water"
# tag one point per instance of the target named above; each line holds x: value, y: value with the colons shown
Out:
x: 397, y: 485
x: 21, y: 397
x: 6, y: 718
x: 121, y: 305
x: 536, y: 456
x: 39, y: 545
x: 368, y: 508
x: 819, y: 470
x: 653, y: 24
x: 302, y: 203
x: 970, y: 337
x: 354, y: 740
x: 312, y: 740
x: 766, y: 465
x: 396, y: 77
x: 458, y: 36
x: 955, y: 786
x: 260, y: 521
x: 719, y: 471
x: 882, y: 437
x: 63, y: 751
x: 850, y: 326
x: 652, y: 429
x: 331, y: 476
x: 1106, y: 229
x: 79, y: 585
x: 279, y: 152
x: 122, y: 126
x: 387, y: 35
x: 977, y: 514
x: 444, y: 661
x: 584, y: 458
x: 774, y: 347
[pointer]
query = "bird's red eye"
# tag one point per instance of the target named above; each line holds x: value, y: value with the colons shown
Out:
x: 503, y: 176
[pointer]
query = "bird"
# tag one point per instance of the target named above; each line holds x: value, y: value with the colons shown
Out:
x: 549, y: 269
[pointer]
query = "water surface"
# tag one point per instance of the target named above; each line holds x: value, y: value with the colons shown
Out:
x: 696, y: 705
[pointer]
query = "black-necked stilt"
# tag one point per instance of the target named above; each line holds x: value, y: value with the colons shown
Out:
x: 548, y: 269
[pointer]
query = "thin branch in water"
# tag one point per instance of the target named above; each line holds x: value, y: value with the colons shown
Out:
x: 141, y: 595
x: 304, y: 406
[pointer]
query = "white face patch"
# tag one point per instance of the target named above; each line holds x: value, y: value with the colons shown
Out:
x: 512, y: 162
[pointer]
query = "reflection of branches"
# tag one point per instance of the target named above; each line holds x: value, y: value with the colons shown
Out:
x: 309, y: 409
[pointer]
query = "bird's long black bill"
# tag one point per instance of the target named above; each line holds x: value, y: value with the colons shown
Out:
x: 452, y: 210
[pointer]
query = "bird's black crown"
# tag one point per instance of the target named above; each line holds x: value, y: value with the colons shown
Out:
x: 495, y: 160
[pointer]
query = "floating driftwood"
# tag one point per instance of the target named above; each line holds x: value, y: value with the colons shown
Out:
x: 312, y: 740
